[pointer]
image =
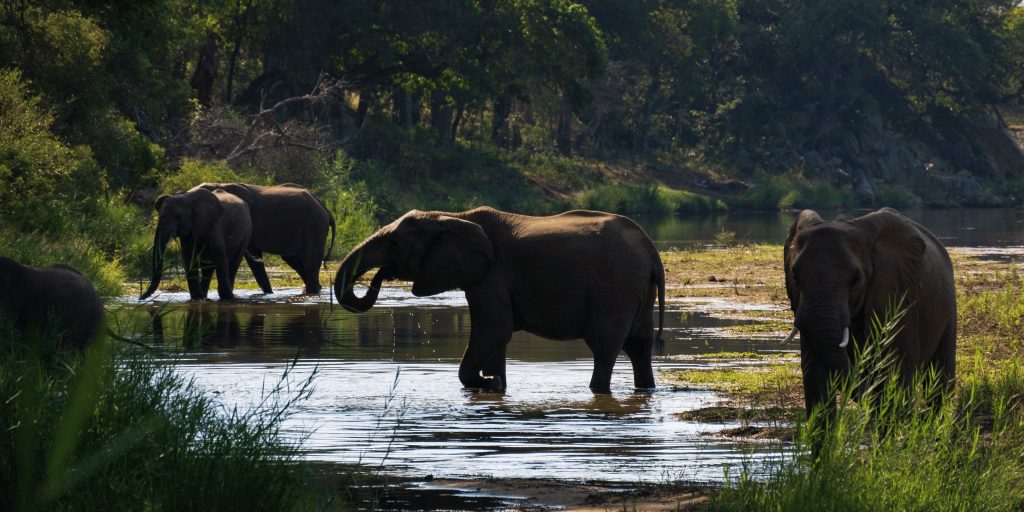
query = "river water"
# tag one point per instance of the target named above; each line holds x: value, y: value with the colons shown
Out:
x: 387, y: 392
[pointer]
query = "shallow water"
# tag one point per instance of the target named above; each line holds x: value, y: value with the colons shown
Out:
x: 387, y: 391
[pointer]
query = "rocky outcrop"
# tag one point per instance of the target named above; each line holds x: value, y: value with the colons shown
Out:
x: 940, y: 159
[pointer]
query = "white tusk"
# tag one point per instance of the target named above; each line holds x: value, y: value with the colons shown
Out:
x: 846, y: 338
x: 792, y: 335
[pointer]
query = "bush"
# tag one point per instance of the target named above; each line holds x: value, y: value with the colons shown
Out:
x: 80, y: 432
x: 42, y: 180
x: 193, y: 172
x: 644, y: 199
x: 785, y: 192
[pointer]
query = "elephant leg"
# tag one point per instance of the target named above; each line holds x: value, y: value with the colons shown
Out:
x: 495, y: 366
x: 639, y: 350
x: 606, y: 334
x: 296, y: 264
x: 311, y: 260
x: 259, y: 270
x: 490, y: 312
x: 190, y: 260
x: 944, y: 361
x: 204, y: 283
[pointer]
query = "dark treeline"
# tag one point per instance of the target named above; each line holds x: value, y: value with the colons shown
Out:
x: 531, y: 105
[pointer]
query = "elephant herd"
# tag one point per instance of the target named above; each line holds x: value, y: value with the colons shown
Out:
x: 578, y: 274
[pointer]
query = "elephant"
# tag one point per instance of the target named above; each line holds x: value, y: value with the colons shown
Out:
x: 841, y: 273
x: 57, y: 296
x: 289, y: 221
x: 578, y: 274
x: 213, y: 229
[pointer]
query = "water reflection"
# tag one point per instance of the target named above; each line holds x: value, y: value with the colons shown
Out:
x: 387, y: 391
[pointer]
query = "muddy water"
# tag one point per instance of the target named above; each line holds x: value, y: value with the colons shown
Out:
x: 387, y: 392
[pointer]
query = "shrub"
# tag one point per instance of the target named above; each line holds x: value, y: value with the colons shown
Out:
x: 80, y: 431
x: 42, y: 180
x: 643, y: 199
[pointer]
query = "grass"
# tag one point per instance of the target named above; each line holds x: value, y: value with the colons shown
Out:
x: 902, y: 450
x: 753, y: 379
x: 117, y: 429
x: 643, y: 198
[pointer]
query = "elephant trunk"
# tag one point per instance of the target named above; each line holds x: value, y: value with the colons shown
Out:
x: 354, y: 266
x: 160, y: 240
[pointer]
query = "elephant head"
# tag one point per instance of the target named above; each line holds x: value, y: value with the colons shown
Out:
x: 193, y: 213
x: 838, y: 274
x: 435, y: 251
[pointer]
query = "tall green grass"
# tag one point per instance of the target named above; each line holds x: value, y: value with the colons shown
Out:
x: 897, y: 447
x: 91, y: 431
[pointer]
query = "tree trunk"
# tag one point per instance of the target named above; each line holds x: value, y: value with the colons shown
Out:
x: 365, y: 99
x: 241, y: 20
x: 642, y: 136
x: 499, y: 121
x: 441, y: 118
x: 206, y: 71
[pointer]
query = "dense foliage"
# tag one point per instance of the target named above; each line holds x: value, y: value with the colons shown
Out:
x: 532, y: 105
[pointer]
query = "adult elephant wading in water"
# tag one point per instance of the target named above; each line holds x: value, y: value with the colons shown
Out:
x: 579, y: 274
x: 213, y: 229
x: 841, y: 273
x: 289, y: 221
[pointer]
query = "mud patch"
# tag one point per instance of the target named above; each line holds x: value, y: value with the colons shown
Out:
x: 751, y: 432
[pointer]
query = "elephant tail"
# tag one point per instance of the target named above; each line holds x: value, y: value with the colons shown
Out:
x: 659, y: 279
x: 330, y: 247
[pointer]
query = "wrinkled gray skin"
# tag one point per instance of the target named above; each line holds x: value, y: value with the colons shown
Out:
x: 579, y: 274
x: 213, y: 229
x: 34, y: 298
x: 289, y: 221
x: 840, y: 273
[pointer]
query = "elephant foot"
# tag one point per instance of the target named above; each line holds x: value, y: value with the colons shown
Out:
x: 601, y: 390
x: 489, y: 385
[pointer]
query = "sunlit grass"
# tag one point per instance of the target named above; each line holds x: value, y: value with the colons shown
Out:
x: 903, y: 449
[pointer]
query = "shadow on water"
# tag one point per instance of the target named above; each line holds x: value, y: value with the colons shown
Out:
x: 388, y: 395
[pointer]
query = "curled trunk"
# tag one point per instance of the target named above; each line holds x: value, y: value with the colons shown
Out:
x: 354, y: 266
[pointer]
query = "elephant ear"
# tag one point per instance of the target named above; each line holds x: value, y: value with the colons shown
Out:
x: 897, y: 251
x: 160, y: 202
x: 206, y: 211
x: 804, y: 220
x: 458, y: 256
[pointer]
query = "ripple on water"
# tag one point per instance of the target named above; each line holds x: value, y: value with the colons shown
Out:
x: 387, y: 391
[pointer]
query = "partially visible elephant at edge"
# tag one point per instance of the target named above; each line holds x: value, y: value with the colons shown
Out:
x: 840, y: 273
x: 289, y: 221
x: 213, y: 229
x: 579, y: 274
x: 34, y: 298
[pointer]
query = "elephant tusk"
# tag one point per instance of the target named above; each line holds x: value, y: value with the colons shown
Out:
x: 792, y: 335
x: 846, y: 338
